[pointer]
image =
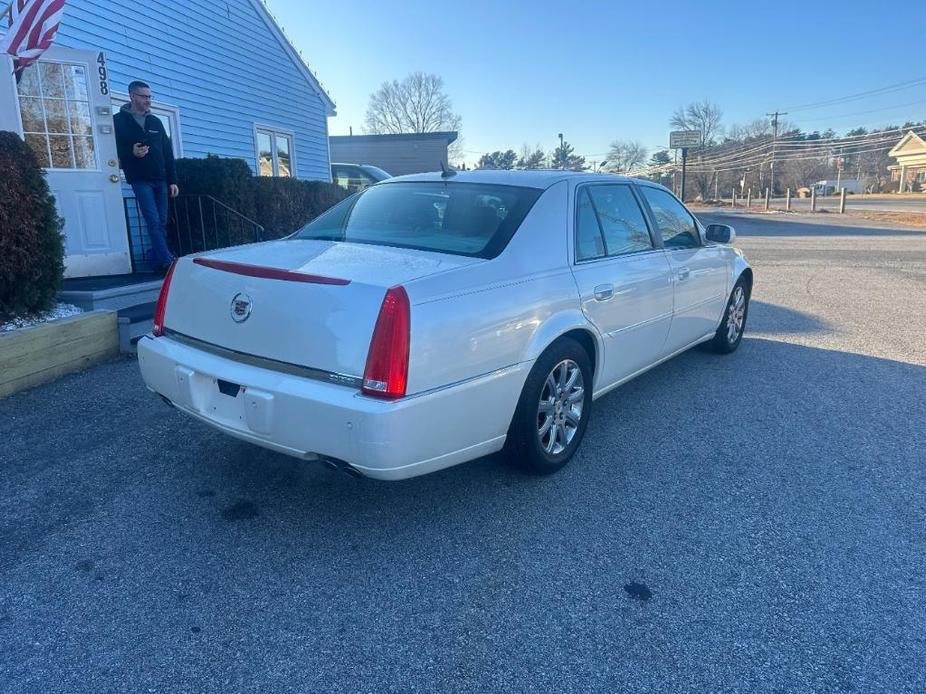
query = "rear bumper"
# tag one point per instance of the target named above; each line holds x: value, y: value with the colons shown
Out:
x: 388, y: 440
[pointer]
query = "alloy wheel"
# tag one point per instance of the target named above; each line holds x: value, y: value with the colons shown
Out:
x: 736, y: 314
x: 560, y: 408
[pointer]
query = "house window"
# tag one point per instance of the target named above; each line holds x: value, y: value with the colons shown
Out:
x: 274, y: 153
x: 54, y: 104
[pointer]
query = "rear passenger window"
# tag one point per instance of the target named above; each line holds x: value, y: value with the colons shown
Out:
x: 675, y: 223
x: 589, y: 244
x: 622, y: 222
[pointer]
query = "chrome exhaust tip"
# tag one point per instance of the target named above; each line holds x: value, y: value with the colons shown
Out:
x: 340, y: 465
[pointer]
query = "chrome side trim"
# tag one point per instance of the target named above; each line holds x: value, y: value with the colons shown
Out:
x: 265, y: 363
x: 641, y: 324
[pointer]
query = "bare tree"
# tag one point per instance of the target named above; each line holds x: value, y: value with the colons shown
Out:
x: 702, y: 116
x: 626, y: 155
x: 417, y: 104
x: 757, y: 129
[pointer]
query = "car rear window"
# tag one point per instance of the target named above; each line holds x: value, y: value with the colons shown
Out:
x: 470, y: 219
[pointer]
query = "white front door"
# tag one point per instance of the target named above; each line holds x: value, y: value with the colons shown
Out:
x: 64, y: 113
x: 700, y: 271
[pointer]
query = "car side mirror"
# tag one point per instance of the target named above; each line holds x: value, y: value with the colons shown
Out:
x: 720, y: 233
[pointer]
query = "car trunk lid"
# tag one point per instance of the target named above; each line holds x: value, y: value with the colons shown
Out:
x: 309, y: 303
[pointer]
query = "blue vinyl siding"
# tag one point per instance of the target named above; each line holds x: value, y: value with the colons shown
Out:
x: 218, y: 62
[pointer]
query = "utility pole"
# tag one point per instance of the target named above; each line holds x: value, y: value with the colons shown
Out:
x: 774, y: 144
x: 684, y: 162
x: 562, y: 153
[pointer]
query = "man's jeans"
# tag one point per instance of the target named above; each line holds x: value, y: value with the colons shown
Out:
x: 152, y: 200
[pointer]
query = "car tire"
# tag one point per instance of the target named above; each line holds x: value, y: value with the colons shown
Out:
x: 730, y: 332
x: 553, y: 410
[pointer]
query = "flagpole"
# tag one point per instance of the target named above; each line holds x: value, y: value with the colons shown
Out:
x: 9, y: 11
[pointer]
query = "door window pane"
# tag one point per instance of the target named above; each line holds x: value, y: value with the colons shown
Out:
x: 56, y: 116
x: 31, y: 111
x: 29, y: 81
x: 62, y: 156
x: 39, y: 145
x: 52, y: 76
x: 75, y: 82
x: 675, y: 224
x: 588, y: 234
x: 84, y: 155
x: 80, y: 118
x: 621, y: 219
x: 284, y: 167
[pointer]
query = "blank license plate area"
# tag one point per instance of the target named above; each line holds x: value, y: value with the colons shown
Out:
x: 228, y: 388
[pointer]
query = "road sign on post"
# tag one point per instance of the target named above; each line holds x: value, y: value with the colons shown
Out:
x: 683, y: 139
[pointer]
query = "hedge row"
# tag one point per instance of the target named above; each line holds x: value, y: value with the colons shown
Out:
x: 280, y: 205
x: 31, y: 240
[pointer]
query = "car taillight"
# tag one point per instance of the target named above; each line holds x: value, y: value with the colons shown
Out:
x: 386, y: 372
x: 161, y: 306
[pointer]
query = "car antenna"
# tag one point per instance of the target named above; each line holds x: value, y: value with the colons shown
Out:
x: 445, y: 172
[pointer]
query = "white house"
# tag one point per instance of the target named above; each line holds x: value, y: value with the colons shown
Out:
x: 910, y: 168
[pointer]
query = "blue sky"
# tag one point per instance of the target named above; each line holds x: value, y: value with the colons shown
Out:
x: 521, y: 72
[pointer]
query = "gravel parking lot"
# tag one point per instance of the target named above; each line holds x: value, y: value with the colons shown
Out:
x: 755, y: 523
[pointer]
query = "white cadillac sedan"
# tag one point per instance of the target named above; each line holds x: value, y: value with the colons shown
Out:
x: 436, y: 318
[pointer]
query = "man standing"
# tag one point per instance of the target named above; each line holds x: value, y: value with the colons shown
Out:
x: 147, y: 158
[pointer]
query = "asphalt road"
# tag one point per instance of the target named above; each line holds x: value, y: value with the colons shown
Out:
x: 870, y: 203
x: 753, y: 523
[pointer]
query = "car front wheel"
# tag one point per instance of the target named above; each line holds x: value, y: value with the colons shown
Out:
x: 730, y: 333
x: 553, y: 410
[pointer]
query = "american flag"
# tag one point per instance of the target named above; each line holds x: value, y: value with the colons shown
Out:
x: 31, y: 26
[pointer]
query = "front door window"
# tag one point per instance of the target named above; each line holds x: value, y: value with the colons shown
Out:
x: 54, y: 103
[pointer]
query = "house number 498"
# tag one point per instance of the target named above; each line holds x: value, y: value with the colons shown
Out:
x: 101, y: 71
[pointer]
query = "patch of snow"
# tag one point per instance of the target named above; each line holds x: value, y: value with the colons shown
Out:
x: 59, y: 311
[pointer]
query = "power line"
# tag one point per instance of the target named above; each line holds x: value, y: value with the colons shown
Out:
x: 861, y: 113
x: 858, y: 95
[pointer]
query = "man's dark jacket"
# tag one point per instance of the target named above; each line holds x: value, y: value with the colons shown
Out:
x: 158, y: 164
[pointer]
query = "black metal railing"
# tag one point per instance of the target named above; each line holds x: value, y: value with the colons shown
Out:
x: 195, y: 223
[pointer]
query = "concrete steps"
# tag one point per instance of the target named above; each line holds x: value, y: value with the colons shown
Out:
x: 134, y: 322
x: 113, y: 292
x: 133, y: 297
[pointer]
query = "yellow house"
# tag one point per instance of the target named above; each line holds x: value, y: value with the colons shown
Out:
x: 910, y: 168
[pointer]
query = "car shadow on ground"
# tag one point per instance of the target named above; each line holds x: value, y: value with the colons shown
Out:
x: 771, y: 318
x: 682, y: 409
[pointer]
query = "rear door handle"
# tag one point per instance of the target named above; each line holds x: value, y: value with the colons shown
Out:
x: 603, y: 292
x: 683, y: 274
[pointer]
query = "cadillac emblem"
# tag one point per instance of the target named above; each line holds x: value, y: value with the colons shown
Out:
x: 241, y: 307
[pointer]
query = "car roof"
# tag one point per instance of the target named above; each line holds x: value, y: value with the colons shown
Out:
x: 533, y: 178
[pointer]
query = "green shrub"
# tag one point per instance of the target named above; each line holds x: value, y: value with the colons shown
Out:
x: 227, y: 180
x: 31, y: 242
x: 280, y: 205
x: 284, y: 205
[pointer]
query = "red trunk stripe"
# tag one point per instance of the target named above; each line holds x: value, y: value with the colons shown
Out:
x: 270, y: 273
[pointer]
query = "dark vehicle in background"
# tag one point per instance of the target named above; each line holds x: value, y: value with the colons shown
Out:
x: 356, y: 177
